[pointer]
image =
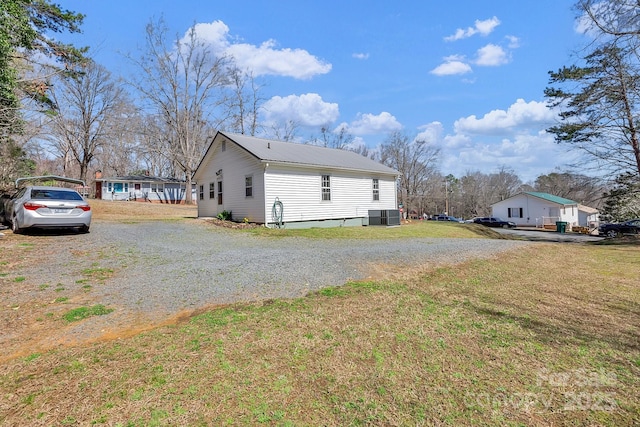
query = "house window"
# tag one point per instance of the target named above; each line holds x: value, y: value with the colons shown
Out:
x: 223, y: 146
x: 201, y: 192
x: 248, y: 186
x: 212, y: 190
x: 219, y: 192
x: 109, y: 187
x: 326, y: 188
x: 515, y: 212
x: 157, y: 188
x: 376, y: 190
x: 120, y: 187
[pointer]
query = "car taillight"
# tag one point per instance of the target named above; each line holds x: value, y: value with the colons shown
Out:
x: 84, y: 207
x: 32, y: 206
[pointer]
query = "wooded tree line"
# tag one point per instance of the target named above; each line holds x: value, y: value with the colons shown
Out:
x: 62, y: 113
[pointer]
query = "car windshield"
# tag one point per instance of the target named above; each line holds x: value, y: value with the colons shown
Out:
x: 54, y: 195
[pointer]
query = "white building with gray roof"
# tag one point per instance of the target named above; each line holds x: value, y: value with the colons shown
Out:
x: 292, y: 185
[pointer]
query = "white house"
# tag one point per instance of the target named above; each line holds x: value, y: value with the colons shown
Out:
x: 543, y: 209
x: 282, y: 184
x: 141, y: 188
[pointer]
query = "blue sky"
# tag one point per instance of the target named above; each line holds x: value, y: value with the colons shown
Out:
x: 466, y: 75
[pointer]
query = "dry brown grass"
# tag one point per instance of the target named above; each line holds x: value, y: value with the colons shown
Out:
x: 542, y: 336
x: 122, y: 211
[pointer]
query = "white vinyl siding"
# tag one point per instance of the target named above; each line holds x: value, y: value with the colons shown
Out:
x: 350, y: 194
x: 234, y: 165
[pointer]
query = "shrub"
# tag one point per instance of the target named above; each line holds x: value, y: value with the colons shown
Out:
x: 225, y: 215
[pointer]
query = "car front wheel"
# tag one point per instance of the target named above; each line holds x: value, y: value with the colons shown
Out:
x: 613, y: 233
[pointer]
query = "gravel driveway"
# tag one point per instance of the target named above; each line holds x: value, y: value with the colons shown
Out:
x: 161, y: 269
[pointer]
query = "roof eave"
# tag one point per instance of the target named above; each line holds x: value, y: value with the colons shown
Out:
x: 324, y: 167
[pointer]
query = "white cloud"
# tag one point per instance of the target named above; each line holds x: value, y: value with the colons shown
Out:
x: 265, y: 59
x: 483, y: 28
x: 519, y: 115
x: 360, y: 55
x: 456, y: 141
x: 529, y: 155
x: 514, y: 137
x: 491, y: 55
x: 431, y: 133
x: 308, y: 110
x: 369, y: 124
x: 214, y: 34
x: 514, y: 42
x: 452, y: 65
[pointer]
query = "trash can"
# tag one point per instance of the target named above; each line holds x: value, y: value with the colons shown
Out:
x: 561, y: 226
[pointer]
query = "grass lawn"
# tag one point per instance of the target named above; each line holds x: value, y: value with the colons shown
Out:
x: 547, y: 335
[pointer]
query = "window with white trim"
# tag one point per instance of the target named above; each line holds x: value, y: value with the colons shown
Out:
x: 514, y: 212
x: 157, y: 188
x: 220, y: 192
x: 212, y: 190
x: 326, y: 188
x: 201, y: 192
x: 248, y: 186
x: 376, y: 189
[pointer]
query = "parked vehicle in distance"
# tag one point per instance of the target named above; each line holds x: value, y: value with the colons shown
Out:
x: 618, y: 229
x: 447, y: 218
x: 46, y: 207
x: 491, y: 221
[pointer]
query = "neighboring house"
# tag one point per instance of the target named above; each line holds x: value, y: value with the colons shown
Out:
x: 543, y: 210
x: 282, y: 184
x: 588, y: 217
x: 141, y: 188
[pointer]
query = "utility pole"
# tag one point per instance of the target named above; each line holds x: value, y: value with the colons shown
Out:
x: 446, y: 197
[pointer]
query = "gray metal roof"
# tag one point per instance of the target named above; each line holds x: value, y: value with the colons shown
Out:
x: 306, y: 155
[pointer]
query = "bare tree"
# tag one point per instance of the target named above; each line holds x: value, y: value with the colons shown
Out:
x: 122, y: 154
x: 154, y: 144
x: 616, y: 18
x: 183, y: 82
x: 415, y: 160
x: 503, y: 184
x: 86, y: 105
x: 286, y: 131
x: 244, y: 103
x: 477, y: 191
x: 580, y: 188
x: 340, y: 138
